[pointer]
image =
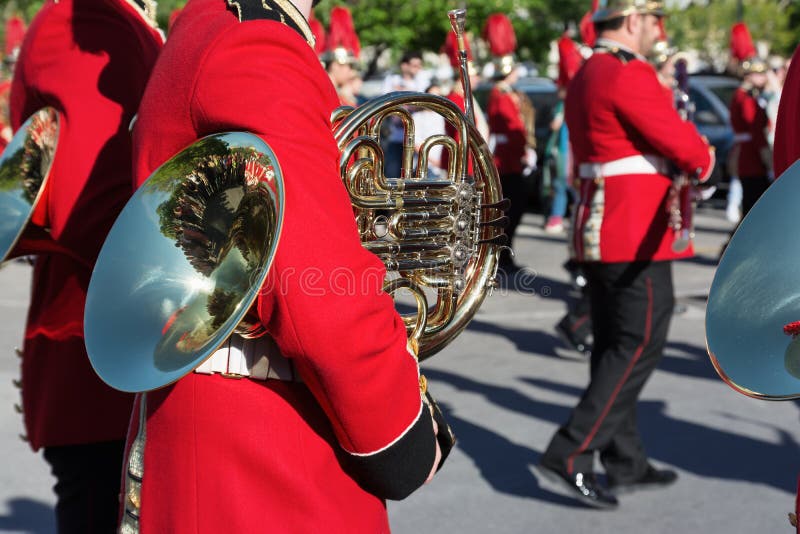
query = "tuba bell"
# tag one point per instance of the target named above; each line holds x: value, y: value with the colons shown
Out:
x: 754, y: 303
x: 25, y: 167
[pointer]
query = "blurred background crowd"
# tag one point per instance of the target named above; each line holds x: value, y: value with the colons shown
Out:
x: 401, y: 46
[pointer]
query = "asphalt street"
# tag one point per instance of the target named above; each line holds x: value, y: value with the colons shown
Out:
x: 506, y: 384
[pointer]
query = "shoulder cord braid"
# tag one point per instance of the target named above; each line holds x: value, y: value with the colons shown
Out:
x: 282, y: 11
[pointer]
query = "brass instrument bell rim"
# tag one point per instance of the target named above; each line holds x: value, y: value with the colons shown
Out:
x: 752, y: 297
x: 149, y: 376
x: 23, y: 132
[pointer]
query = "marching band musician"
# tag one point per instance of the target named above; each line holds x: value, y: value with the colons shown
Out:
x: 750, y: 126
x: 342, y: 53
x: 90, y: 60
x: 623, y: 132
x: 15, y: 33
x: 787, y: 135
x: 456, y: 94
x: 320, y: 445
x: 511, y: 123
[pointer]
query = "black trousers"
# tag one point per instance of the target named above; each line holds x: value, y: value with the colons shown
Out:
x: 752, y: 189
x: 515, y: 190
x: 87, y: 486
x: 631, y: 308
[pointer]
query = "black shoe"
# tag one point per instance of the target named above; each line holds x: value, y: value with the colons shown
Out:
x: 582, y: 486
x: 570, y: 338
x: 652, y: 479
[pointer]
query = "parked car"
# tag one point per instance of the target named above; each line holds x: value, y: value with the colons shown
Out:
x: 712, y: 97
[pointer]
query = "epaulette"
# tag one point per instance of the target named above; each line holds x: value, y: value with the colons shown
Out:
x: 147, y: 8
x: 625, y: 56
x: 282, y: 11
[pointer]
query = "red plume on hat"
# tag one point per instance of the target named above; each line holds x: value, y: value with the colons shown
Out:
x: 569, y: 60
x: 588, y: 35
x: 15, y: 33
x: 499, y: 33
x: 450, y: 48
x: 318, y: 30
x: 342, y: 41
x: 742, y: 46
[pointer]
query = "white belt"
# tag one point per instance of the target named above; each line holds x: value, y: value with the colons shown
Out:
x: 639, y: 164
x: 742, y: 138
x: 259, y: 359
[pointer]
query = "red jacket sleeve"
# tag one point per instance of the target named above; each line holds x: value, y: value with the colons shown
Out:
x: 640, y: 102
x: 787, y: 134
x: 323, y: 302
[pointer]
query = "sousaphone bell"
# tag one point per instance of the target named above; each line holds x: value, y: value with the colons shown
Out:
x: 754, y: 303
x: 184, y: 262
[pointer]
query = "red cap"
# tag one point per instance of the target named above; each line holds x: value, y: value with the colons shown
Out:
x: 318, y: 30
x: 15, y: 33
x: 569, y: 60
x: 742, y: 46
x: 342, y: 42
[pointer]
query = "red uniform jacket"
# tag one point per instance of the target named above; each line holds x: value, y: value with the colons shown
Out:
x: 508, y: 129
x: 787, y: 135
x: 750, y: 122
x: 615, y: 109
x: 90, y: 60
x: 226, y: 455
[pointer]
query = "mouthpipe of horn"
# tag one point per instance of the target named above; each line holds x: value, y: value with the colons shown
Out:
x: 458, y: 19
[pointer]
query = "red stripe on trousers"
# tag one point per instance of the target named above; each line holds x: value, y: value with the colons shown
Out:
x: 618, y: 387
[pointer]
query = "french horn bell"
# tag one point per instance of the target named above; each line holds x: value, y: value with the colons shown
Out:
x: 754, y: 301
x: 184, y: 262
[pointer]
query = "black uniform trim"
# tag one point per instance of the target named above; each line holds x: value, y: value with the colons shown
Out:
x: 282, y: 11
x: 625, y: 56
x: 395, y: 472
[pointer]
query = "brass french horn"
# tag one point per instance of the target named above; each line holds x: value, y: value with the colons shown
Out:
x: 25, y: 166
x: 754, y: 301
x: 438, y: 238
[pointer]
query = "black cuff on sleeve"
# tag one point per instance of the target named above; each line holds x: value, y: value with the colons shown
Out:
x: 395, y: 472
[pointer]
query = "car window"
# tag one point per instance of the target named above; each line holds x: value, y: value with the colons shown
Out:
x: 724, y: 93
x: 704, y: 113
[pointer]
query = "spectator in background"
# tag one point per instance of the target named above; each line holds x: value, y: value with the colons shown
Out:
x: 428, y: 123
x: 410, y: 78
x: 558, y: 145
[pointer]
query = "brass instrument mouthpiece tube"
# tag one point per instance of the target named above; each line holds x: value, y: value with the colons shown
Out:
x: 458, y: 18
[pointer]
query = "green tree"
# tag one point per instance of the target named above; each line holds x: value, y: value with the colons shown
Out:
x: 423, y: 24
x: 705, y: 25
